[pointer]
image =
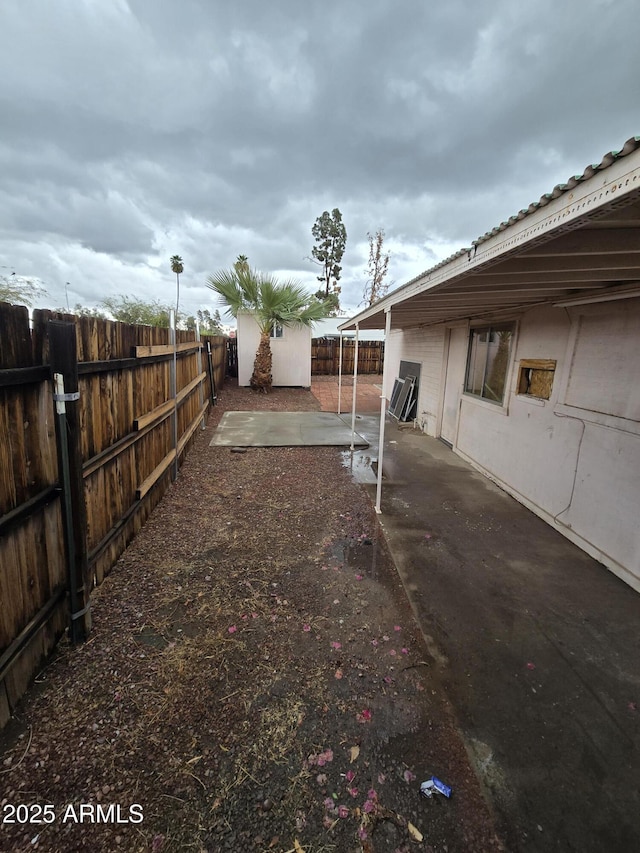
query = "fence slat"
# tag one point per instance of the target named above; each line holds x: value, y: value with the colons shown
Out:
x: 325, y: 356
x: 116, y: 390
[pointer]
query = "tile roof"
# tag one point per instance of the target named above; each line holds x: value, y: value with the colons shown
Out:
x: 630, y: 145
x: 580, y: 238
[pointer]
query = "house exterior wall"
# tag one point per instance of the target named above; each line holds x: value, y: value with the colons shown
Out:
x: 291, y: 353
x: 573, y: 459
x: 425, y: 346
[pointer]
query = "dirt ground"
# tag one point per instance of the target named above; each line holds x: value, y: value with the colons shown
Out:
x: 254, y: 681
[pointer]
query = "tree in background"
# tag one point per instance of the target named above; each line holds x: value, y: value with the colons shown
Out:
x: 128, y: 309
x: 241, y: 264
x: 20, y: 290
x: 82, y: 311
x: 137, y: 312
x: 375, y: 288
x: 208, y: 323
x: 177, y: 267
x: 330, y: 235
x: 330, y: 302
x: 271, y: 302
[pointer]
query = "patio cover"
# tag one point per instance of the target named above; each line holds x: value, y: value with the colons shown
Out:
x: 579, y: 242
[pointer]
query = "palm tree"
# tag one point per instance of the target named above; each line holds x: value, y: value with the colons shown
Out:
x: 242, y: 263
x: 271, y: 302
x: 177, y: 267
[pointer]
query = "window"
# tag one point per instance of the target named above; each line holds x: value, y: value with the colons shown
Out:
x: 488, y: 362
x: 535, y: 378
x: 277, y: 330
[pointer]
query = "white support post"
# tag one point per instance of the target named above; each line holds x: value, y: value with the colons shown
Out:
x: 383, y: 407
x: 355, y: 389
x: 340, y: 375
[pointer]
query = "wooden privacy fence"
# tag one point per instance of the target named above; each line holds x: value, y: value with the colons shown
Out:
x: 325, y: 356
x: 95, y: 417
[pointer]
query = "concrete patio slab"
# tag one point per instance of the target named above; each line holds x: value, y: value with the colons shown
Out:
x: 536, y: 643
x: 284, y: 429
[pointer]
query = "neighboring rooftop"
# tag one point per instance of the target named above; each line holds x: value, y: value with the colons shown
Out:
x: 329, y: 328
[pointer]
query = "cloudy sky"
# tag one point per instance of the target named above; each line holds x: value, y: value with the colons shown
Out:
x: 133, y: 130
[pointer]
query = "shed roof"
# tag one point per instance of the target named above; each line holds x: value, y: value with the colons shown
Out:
x: 581, y: 239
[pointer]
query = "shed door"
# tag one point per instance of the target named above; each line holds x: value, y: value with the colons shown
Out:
x: 454, y: 380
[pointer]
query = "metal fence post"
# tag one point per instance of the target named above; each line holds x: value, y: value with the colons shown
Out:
x: 64, y: 368
x: 212, y: 378
x: 199, y: 360
x: 173, y: 390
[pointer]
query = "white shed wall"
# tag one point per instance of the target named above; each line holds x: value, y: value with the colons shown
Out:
x: 291, y: 353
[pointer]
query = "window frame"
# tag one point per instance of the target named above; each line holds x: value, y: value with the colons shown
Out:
x: 527, y: 368
x: 489, y: 328
x: 277, y: 332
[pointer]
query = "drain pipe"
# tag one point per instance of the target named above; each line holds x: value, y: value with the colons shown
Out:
x: 355, y: 388
x: 340, y: 373
x: 383, y: 406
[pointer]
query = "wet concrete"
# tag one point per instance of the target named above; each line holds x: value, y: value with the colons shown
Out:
x: 536, y: 644
x: 284, y: 429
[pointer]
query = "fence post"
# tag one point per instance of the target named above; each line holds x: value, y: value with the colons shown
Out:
x: 173, y: 390
x: 212, y: 378
x: 199, y: 361
x: 64, y: 368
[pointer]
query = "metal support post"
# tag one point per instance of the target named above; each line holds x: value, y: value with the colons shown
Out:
x: 383, y: 408
x: 340, y: 375
x: 355, y: 389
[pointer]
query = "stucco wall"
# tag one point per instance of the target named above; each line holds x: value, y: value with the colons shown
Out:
x: 424, y: 346
x: 576, y: 467
x: 291, y: 353
x: 573, y: 459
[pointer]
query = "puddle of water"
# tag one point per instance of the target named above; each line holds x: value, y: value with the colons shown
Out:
x: 148, y: 637
x: 360, y: 464
x: 359, y: 555
x: 490, y: 772
x: 337, y: 551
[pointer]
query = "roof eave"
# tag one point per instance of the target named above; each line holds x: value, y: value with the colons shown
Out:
x: 565, y: 208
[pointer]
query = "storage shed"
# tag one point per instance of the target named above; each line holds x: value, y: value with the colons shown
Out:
x: 290, y: 347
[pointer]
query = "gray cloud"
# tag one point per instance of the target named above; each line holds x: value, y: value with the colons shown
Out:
x: 136, y: 130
